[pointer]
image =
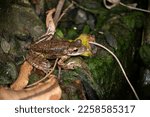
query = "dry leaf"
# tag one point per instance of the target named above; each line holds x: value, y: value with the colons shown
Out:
x: 23, y: 76
x: 49, y: 90
x: 49, y: 19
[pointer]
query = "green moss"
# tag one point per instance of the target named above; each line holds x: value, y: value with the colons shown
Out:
x: 101, y: 18
x: 69, y: 76
x: 105, y: 76
x: 8, y: 73
x: 34, y: 78
x: 67, y: 83
x: 96, y: 63
x: 105, y: 71
x: 133, y: 20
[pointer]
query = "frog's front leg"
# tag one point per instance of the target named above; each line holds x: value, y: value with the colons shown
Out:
x: 38, y: 61
x: 63, y: 65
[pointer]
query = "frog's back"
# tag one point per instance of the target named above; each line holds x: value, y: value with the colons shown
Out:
x: 48, y: 46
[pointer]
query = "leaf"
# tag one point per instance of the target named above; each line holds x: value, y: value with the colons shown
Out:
x: 59, y: 33
x: 23, y: 77
x: 49, y: 19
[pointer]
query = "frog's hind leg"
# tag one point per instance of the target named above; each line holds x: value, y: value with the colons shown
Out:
x: 39, y: 62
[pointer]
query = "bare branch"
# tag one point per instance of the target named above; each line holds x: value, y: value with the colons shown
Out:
x: 58, y: 11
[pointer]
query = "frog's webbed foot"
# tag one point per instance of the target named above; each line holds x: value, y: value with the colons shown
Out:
x: 63, y: 65
x: 39, y: 62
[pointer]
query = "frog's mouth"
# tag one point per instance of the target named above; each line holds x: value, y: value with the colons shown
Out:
x: 77, y: 51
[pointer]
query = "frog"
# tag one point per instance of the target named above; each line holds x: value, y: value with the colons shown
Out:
x: 40, y: 54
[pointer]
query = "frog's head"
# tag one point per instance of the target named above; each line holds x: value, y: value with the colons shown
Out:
x: 76, y: 48
x: 82, y: 47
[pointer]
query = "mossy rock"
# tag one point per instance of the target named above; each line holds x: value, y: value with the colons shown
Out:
x: 110, y: 81
x: 18, y: 25
x: 18, y: 21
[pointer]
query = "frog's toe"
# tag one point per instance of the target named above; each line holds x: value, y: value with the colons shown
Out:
x: 46, y: 64
x: 45, y: 67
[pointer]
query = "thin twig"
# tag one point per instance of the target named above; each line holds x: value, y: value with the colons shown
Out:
x: 122, y: 4
x: 124, y: 73
x: 64, y: 12
x: 58, y: 11
x: 134, y: 8
x: 85, y: 9
x: 110, y: 6
x: 45, y: 75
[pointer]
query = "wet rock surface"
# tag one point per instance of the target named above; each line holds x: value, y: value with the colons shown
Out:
x: 16, y: 20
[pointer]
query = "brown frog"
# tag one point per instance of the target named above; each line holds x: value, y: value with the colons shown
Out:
x: 40, y: 53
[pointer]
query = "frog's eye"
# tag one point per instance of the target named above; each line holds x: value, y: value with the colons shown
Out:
x: 79, y: 50
x: 74, y: 50
x: 78, y: 42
